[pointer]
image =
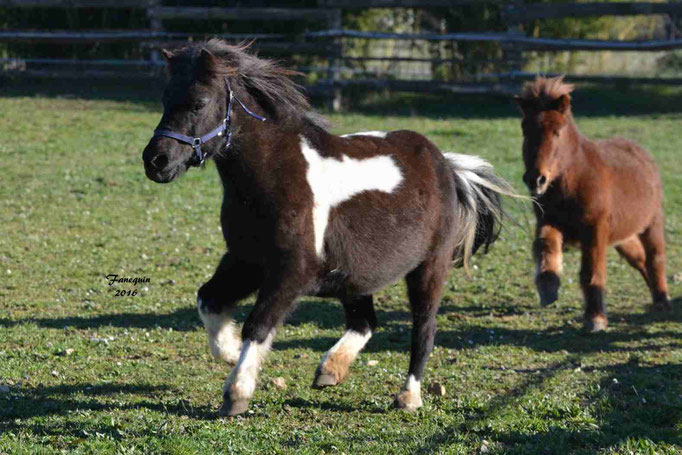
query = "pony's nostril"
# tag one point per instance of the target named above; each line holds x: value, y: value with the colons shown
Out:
x: 541, y: 181
x: 159, y: 161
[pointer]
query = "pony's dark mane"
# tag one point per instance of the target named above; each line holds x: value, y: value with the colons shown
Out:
x: 264, y: 79
x: 543, y: 91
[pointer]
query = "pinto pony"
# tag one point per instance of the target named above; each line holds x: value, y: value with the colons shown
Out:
x: 592, y: 193
x: 306, y: 212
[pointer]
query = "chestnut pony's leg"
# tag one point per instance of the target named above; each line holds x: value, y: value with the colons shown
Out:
x: 654, y: 245
x: 593, y: 277
x: 548, y: 257
x: 632, y: 250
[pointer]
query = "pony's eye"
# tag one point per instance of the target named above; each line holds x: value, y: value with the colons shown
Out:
x: 556, y: 133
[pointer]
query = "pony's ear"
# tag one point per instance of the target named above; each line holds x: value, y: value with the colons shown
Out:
x: 524, y: 104
x: 562, y: 104
x: 167, y: 55
x: 207, y: 62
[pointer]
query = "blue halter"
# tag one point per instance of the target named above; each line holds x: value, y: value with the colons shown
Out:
x: 199, y: 157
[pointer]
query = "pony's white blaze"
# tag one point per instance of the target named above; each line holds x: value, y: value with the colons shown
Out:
x: 381, y: 134
x: 223, y: 339
x: 241, y: 383
x: 334, y: 181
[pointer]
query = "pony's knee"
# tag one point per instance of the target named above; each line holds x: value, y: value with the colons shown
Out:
x: 223, y: 339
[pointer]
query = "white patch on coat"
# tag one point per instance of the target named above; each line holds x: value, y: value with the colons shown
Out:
x: 223, y: 339
x: 350, y: 344
x: 241, y: 383
x: 334, y: 181
x: 381, y: 134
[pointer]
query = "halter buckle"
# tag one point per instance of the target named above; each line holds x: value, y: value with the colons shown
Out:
x: 196, y: 142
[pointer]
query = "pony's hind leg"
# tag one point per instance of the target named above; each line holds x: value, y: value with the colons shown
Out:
x: 360, y: 322
x: 232, y: 281
x: 548, y: 257
x: 654, y: 244
x: 632, y: 250
x: 424, y: 286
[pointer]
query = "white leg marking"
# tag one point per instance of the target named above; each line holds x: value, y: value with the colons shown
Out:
x: 223, y: 339
x: 337, y: 360
x: 334, y: 181
x: 381, y: 134
x: 410, y: 397
x: 241, y: 383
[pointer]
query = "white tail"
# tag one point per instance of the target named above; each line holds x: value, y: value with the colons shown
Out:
x: 479, y: 191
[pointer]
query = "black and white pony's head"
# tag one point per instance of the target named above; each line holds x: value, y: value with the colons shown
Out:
x: 196, y: 97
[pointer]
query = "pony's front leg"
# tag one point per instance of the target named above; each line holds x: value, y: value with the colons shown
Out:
x: 232, y: 281
x: 593, y: 278
x: 548, y: 257
x: 274, y: 300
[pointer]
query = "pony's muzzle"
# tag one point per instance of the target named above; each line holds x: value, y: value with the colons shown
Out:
x: 541, y: 184
x: 157, y: 163
x: 537, y: 183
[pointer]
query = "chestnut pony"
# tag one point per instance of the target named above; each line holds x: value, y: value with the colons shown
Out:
x: 306, y: 212
x: 591, y: 193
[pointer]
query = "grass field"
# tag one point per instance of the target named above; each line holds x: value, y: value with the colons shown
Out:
x: 84, y: 371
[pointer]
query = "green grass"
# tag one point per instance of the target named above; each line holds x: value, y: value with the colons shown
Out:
x: 75, y: 206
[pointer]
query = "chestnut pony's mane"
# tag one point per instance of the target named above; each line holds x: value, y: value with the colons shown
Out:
x: 264, y: 79
x: 545, y: 91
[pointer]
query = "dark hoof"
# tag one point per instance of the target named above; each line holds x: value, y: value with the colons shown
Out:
x: 232, y: 408
x: 548, y: 284
x: 661, y: 306
x: 323, y: 380
x: 596, y: 323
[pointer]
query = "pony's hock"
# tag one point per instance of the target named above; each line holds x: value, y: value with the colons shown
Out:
x: 592, y: 194
x: 306, y: 212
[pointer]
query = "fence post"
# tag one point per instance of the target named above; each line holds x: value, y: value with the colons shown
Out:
x: 156, y: 25
x: 512, y: 53
x: 335, y: 50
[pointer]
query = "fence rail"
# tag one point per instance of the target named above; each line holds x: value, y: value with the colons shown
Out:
x: 329, y: 42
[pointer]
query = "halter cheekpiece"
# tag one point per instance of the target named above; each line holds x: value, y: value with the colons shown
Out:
x: 224, y: 128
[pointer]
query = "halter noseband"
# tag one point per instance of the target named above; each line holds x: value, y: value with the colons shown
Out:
x: 199, y: 157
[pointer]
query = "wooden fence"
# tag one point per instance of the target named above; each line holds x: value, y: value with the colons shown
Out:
x: 327, y: 45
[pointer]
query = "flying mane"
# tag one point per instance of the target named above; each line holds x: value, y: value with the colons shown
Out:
x: 544, y: 91
x: 264, y: 79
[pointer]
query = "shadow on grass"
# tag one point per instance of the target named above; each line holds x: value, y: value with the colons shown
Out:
x: 181, y: 320
x: 395, y: 335
x: 28, y: 402
x: 632, y: 401
x: 323, y: 314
